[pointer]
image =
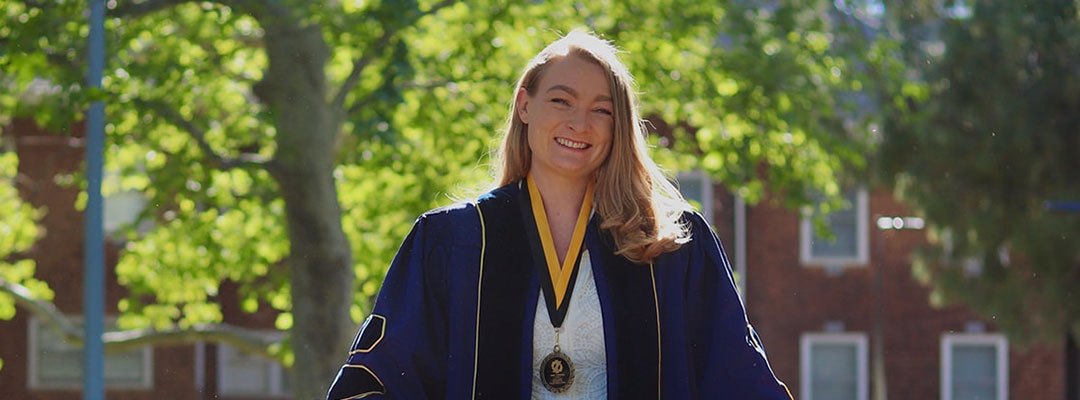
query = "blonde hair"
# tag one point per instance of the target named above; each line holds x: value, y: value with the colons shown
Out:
x: 637, y: 204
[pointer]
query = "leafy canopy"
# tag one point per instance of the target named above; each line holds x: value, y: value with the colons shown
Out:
x: 18, y: 231
x: 988, y: 138
x: 413, y: 96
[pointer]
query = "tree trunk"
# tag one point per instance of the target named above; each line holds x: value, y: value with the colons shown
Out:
x: 320, y: 261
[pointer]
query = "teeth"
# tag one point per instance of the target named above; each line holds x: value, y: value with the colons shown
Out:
x: 571, y: 144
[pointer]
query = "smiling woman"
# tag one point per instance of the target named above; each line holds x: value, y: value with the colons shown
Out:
x: 569, y: 121
x: 584, y: 274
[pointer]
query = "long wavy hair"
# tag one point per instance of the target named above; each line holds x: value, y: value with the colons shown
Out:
x: 636, y: 202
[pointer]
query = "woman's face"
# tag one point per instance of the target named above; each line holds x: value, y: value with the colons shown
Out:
x: 570, y: 119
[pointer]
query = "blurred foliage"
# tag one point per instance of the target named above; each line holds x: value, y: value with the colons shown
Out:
x: 18, y: 231
x: 985, y: 133
x: 755, y: 85
x: 764, y: 97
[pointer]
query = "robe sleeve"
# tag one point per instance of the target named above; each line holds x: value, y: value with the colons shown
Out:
x: 731, y: 362
x: 396, y: 353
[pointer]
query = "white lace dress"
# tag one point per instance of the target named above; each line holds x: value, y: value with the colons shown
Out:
x: 582, y: 339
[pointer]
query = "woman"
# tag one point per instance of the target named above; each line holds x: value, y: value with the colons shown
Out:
x: 583, y: 275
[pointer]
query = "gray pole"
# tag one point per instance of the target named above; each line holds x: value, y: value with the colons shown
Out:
x: 877, y: 357
x: 93, y: 241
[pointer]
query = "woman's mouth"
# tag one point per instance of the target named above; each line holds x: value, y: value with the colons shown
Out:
x: 572, y: 144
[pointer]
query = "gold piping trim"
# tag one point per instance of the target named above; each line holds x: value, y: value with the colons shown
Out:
x: 365, y: 394
x: 782, y: 384
x: 382, y: 333
x: 659, y: 343
x: 479, y: 283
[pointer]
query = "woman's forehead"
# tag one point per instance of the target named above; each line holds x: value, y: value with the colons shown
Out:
x: 577, y: 77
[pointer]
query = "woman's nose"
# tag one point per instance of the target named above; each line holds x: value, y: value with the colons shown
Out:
x: 578, y: 120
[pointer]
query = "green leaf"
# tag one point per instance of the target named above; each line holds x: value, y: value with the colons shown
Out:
x: 283, y: 322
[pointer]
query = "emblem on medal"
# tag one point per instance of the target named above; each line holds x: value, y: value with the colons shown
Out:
x: 557, y: 371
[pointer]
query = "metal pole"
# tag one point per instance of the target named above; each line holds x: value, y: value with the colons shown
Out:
x: 877, y: 367
x: 93, y: 241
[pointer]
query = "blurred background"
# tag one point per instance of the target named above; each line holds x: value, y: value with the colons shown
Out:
x: 897, y: 185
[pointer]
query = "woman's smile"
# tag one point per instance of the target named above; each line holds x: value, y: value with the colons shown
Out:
x: 572, y: 143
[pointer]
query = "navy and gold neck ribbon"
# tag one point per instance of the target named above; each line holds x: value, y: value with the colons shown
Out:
x: 559, y: 283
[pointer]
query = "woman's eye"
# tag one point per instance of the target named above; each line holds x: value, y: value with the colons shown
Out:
x: 560, y: 101
x: 604, y: 111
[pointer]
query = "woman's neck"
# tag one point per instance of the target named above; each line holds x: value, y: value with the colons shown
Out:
x: 562, y: 205
x: 561, y: 196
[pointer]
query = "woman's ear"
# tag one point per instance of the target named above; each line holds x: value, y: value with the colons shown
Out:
x: 521, y: 105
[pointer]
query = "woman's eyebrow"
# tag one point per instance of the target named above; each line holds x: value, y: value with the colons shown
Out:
x: 574, y: 93
x: 564, y: 88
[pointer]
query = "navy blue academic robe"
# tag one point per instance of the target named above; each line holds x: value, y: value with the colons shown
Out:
x: 454, y: 317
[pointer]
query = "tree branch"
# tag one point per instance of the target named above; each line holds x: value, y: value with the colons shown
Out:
x: 438, y: 6
x: 266, y: 12
x: 260, y: 9
x: 41, y: 308
x: 133, y: 9
x: 362, y: 63
x: 35, y: 4
x: 358, y: 68
x: 246, y: 160
x: 248, y: 340
x: 138, y: 9
x: 360, y: 104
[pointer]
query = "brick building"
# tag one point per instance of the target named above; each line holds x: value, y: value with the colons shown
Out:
x: 38, y: 365
x: 815, y: 304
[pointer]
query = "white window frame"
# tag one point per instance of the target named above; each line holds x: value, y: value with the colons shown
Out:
x: 275, y: 373
x: 121, y: 208
x: 1001, y: 346
x: 862, y: 237
x: 858, y: 339
x: 33, y: 381
x: 737, y: 249
x: 706, y: 188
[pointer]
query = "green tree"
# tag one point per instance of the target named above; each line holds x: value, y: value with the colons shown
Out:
x: 990, y: 135
x: 18, y: 231
x: 287, y: 145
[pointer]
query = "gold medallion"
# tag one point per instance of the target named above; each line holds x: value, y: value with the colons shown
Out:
x: 557, y: 371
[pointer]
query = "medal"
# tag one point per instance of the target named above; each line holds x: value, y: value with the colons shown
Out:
x: 557, y: 282
x: 557, y: 371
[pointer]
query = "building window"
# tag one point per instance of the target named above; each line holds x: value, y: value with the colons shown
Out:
x: 850, y: 243
x: 974, y: 366
x: 834, y: 366
x: 55, y: 364
x: 244, y: 374
x: 121, y: 207
x: 696, y: 187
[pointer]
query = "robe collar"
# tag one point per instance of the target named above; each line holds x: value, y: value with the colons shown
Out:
x: 509, y: 287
